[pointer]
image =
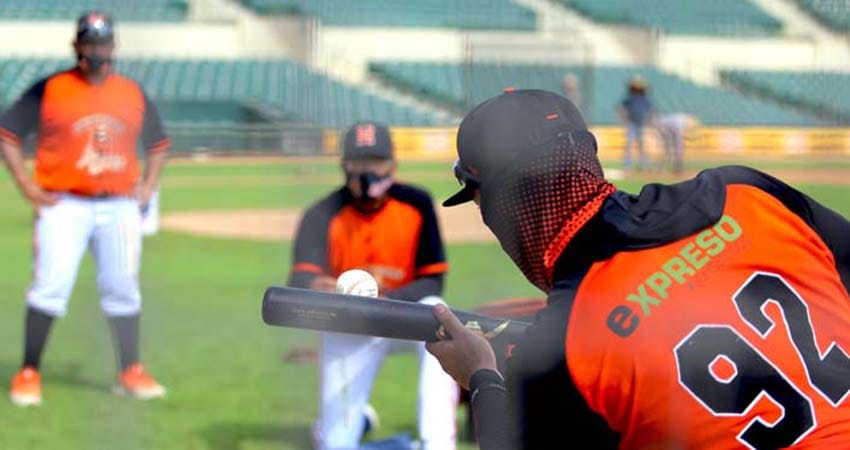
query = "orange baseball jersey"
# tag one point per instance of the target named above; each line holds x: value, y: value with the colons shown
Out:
x: 87, y: 134
x: 712, y: 314
x: 397, y: 244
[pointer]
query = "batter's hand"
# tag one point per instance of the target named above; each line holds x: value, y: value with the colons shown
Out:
x: 464, y: 352
x: 37, y: 196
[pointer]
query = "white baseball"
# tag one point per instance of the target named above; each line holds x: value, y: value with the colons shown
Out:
x: 357, y: 282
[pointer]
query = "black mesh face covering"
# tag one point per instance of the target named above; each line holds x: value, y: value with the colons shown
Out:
x: 534, y: 207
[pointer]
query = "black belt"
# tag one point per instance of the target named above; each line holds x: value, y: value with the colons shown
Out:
x: 103, y: 195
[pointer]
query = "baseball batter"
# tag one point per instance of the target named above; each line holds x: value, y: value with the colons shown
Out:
x: 390, y: 230
x: 708, y: 314
x: 87, y: 194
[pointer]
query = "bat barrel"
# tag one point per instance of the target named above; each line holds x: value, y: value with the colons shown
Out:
x: 340, y: 313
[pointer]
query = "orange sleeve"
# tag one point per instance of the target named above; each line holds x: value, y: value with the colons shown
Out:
x: 308, y: 267
x: 432, y: 269
x: 160, y: 146
x: 8, y: 136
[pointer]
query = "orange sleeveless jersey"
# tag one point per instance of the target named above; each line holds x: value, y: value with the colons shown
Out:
x: 396, y: 244
x: 87, y: 134
x: 707, y: 342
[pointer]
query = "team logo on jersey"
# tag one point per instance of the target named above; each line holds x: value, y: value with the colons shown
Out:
x: 624, y: 319
x: 386, y: 275
x: 100, y: 153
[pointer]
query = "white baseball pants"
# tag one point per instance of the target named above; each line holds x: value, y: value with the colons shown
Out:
x: 63, y: 232
x: 348, y: 365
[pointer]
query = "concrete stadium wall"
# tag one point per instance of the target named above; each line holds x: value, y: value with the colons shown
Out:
x: 699, y: 58
x: 25, y: 38
x: 291, y: 37
x: 244, y: 35
x: 609, y: 43
x: 346, y: 51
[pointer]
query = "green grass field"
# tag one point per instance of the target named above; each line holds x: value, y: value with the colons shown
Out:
x: 202, y: 332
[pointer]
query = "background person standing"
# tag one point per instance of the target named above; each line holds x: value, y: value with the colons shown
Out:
x: 87, y: 194
x: 673, y: 129
x: 635, y: 110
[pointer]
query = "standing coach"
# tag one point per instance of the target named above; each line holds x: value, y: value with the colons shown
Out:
x: 87, y: 193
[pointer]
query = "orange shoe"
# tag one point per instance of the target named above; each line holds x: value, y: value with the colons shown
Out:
x: 26, y: 388
x: 134, y: 381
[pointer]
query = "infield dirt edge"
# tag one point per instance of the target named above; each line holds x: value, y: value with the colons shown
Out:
x: 457, y: 224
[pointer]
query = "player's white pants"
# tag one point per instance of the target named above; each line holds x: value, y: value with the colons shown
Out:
x: 348, y: 365
x: 63, y: 232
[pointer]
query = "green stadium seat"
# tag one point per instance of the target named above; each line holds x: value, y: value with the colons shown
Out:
x: 823, y: 93
x: 716, y: 106
x: 466, y: 14
x: 122, y: 10
x: 833, y: 13
x: 716, y: 17
x: 222, y: 90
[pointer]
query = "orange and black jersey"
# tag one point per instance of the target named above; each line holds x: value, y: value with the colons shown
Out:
x: 87, y: 133
x: 710, y: 314
x: 400, y: 244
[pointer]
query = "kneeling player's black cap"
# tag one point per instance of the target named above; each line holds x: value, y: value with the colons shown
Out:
x: 367, y: 140
x: 502, y: 132
x: 96, y: 27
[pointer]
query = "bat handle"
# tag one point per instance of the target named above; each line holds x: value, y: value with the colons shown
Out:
x: 475, y: 327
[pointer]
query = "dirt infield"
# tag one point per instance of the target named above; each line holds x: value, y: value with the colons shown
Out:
x: 459, y: 224
x: 840, y: 177
x: 293, y: 179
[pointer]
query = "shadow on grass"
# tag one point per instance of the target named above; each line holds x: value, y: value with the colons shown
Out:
x: 70, y: 374
x: 231, y: 436
x: 61, y: 373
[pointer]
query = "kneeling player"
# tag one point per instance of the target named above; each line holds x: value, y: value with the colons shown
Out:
x: 390, y: 230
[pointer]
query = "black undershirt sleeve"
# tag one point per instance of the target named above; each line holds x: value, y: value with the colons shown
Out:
x: 490, y: 402
x: 154, y: 138
x: 418, y: 289
x: 430, y: 248
x: 300, y: 280
x: 310, y: 249
x: 23, y: 117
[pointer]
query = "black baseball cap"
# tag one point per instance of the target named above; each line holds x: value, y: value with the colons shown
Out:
x: 502, y: 131
x: 96, y: 27
x: 367, y: 140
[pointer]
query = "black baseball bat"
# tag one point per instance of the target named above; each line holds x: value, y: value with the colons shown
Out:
x: 382, y: 317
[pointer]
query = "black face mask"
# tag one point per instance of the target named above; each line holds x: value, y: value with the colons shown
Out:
x: 373, y: 186
x: 94, y: 62
x: 536, y: 207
